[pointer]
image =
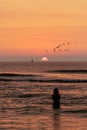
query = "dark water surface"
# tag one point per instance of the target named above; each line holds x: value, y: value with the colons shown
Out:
x: 25, y: 95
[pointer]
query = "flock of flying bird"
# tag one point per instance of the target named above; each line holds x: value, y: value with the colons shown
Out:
x: 60, y: 47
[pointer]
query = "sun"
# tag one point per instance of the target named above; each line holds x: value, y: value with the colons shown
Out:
x: 44, y: 59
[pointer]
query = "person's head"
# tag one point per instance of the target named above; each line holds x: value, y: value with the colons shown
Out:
x: 56, y: 91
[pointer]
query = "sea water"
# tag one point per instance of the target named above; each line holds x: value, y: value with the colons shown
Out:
x: 26, y: 95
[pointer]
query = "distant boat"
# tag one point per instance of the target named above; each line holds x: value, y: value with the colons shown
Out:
x: 32, y: 60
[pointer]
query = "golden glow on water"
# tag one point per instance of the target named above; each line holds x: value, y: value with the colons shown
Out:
x: 54, y: 122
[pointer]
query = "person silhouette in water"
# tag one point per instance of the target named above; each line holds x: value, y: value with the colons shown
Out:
x: 56, y: 98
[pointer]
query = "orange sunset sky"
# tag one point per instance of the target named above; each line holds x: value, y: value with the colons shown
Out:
x: 33, y: 28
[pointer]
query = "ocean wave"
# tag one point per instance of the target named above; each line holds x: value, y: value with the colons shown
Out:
x: 68, y: 71
x: 45, y: 80
x: 30, y: 95
x: 77, y: 111
x: 17, y: 75
x: 26, y: 95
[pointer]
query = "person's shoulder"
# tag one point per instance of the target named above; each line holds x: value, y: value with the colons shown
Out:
x: 53, y: 96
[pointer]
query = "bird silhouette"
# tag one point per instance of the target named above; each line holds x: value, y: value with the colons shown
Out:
x: 54, y: 49
x: 46, y: 50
